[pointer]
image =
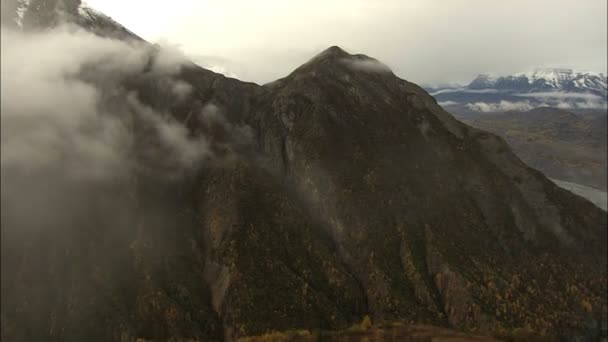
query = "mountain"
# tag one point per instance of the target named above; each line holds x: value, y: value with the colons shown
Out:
x: 32, y: 15
x: 338, y: 192
x: 563, y: 145
x: 542, y: 80
x: 561, y: 88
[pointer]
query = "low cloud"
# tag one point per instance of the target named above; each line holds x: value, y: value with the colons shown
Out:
x: 367, y: 65
x: 78, y: 140
x: 175, y: 150
x: 564, y: 95
x: 64, y: 104
x: 522, y: 106
x: 502, y: 106
x: 569, y: 100
x: 240, y: 135
x: 591, y: 105
x: 465, y: 90
x: 448, y: 103
x: 181, y: 89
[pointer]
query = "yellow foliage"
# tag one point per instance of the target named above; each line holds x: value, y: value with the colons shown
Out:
x: 366, y: 323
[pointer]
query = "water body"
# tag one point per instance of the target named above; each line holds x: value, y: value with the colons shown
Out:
x: 597, y: 197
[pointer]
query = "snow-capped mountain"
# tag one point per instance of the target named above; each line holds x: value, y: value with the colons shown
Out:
x: 560, y: 88
x: 32, y: 15
x: 542, y: 80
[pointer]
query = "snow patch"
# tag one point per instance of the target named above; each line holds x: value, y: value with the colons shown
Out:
x: 555, y: 78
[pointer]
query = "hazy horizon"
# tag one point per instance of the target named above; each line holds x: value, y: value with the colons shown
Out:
x: 427, y: 42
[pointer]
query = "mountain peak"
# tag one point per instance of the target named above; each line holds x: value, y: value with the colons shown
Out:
x: 335, y: 58
x: 41, y: 15
x: 333, y: 52
x: 482, y: 81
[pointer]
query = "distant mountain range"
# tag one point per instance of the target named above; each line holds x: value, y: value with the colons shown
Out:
x: 561, y: 88
x: 542, y: 80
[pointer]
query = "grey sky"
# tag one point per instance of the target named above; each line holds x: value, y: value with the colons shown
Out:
x: 425, y: 41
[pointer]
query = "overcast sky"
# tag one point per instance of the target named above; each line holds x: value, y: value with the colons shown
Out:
x: 424, y: 41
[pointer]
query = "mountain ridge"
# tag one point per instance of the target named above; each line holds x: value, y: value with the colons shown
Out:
x: 558, y: 88
x: 544, y: 79
x: 33, y: 15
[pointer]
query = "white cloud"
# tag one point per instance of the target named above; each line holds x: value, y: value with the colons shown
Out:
x: 465, y: 90
x: 367, y: 65
x: 565, y: 100
x: 591, y: 105
x: 78, y: 143
x: 502, y: 106
x: 181, y: 89
x: 521, y: 106
x: 64, y: 106
x: 211, y: 115
x: 563, y: 95
x: 564, y: 105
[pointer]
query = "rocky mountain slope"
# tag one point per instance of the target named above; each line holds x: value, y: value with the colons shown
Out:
x: 353, y: 194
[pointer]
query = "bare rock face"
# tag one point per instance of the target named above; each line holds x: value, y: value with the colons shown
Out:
x: 353, y: 194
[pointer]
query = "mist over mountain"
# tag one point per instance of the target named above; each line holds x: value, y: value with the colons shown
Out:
x: 146, y: 198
